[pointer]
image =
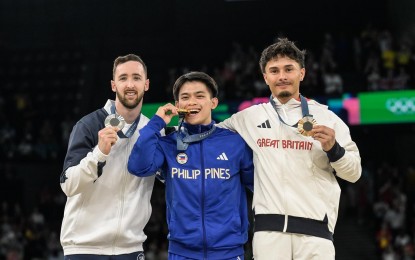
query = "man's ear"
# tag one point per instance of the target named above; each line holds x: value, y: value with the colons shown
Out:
x: 215, y: 102
x: 265, y: 78
x: 302, y: 72
x: 113, y: 87
x: 147, y: 85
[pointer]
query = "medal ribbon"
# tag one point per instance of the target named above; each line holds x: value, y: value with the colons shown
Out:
x: 304, y: 109
x: 132, y: 128
x: 184, y: 139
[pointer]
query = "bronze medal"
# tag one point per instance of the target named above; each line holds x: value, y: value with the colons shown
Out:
x: 305, y: 125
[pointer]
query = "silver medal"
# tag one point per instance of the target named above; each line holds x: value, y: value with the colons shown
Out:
x: 114, y: 120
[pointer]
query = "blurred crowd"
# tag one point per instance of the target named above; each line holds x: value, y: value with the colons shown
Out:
x: 39, y: 104
x: 393, y: 208
x: 35, y: 126
x: 371, y: 60
x: 29, y: 230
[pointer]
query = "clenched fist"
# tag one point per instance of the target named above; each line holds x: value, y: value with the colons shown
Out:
x: 107, y: 137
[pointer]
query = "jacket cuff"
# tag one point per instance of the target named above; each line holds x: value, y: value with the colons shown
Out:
x: 156, y: 123
x: 336, y: 152
x: 98, y: 155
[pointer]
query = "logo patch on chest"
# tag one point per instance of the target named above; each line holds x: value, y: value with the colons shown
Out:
x: 182, y: 158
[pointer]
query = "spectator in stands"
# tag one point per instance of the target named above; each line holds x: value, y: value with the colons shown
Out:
x: 333, y: 82
x: 373, y: 79
x: 107, y: 208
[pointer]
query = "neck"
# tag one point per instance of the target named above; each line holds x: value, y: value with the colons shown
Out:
x: 207, y: 122
x: 128, y: 114
x: 283, y: 100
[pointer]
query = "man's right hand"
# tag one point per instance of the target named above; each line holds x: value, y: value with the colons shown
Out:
x: 167, y: 112
x: 107, y: 137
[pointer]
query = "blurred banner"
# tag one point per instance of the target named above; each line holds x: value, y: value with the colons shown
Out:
x: 387, y: 107
x: 366, y: 108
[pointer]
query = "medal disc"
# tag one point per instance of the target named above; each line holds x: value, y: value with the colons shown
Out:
x: 182, y: 111
x: 114, y: 120
x: 305, y: 125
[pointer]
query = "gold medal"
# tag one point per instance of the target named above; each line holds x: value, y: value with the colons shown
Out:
x: 305, y: 125
x: 182, y: 111
x: 114, y: 120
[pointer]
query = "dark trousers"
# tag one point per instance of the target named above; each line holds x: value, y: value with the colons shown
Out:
x: 133, y: 256
x: 179, y: 257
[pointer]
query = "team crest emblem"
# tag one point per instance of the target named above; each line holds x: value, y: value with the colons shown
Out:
x: 181, y: 158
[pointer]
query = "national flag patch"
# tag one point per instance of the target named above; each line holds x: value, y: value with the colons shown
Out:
x: 181, y: 158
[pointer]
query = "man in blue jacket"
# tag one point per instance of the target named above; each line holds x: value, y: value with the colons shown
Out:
x: 205, y: 169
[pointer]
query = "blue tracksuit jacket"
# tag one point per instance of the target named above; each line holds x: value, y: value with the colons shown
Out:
x: 206, y: 201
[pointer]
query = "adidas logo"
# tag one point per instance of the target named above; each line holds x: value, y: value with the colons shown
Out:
x: 266, y: 124
x: 222, y: 157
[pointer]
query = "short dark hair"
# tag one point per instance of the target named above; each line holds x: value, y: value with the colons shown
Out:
x: 284, y: 48
x: 195, y: 76
x: 129, y: 57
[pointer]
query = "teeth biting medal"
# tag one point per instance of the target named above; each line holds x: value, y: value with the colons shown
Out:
x: 182, y: 111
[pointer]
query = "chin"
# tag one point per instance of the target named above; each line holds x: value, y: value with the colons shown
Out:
x: 284, y: 94
x: 192, y: 121
x: 131, y: 105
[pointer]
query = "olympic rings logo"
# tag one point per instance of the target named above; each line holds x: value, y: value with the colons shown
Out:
x: 401, y: 106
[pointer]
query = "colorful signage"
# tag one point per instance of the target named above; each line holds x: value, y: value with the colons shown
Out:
x: 387, y: 107
x: 367, y: 108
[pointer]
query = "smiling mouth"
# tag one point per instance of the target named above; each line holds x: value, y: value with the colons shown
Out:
x: 129, y: 94
x: 184, y: 112
x: 193, y: 111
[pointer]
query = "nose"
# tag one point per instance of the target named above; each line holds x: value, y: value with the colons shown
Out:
x: 282, y: 76
x: 192, y: 100
x: 130, y: 83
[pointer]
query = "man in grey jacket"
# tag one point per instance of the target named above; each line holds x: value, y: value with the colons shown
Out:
x: 107, y: 208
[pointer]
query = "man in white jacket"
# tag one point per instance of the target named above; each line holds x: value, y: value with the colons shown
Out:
x: 299, y: 148
x: 107, y: 208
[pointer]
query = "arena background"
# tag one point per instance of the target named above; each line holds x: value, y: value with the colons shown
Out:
x: 56, y: 66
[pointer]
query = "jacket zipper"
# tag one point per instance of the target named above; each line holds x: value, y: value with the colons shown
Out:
x: 123, y: 182
x: 203, y: 203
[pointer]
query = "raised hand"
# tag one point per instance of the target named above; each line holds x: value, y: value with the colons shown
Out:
x: 167, y: 112
x: 325, y: 135
x: 107, y: 137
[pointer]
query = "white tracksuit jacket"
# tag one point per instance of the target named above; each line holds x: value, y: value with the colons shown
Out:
x: 293, y: 175
x: 107, y: 208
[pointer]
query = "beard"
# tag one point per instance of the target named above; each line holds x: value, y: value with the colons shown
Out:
x: 284, y: 94
x: 130, y: 104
